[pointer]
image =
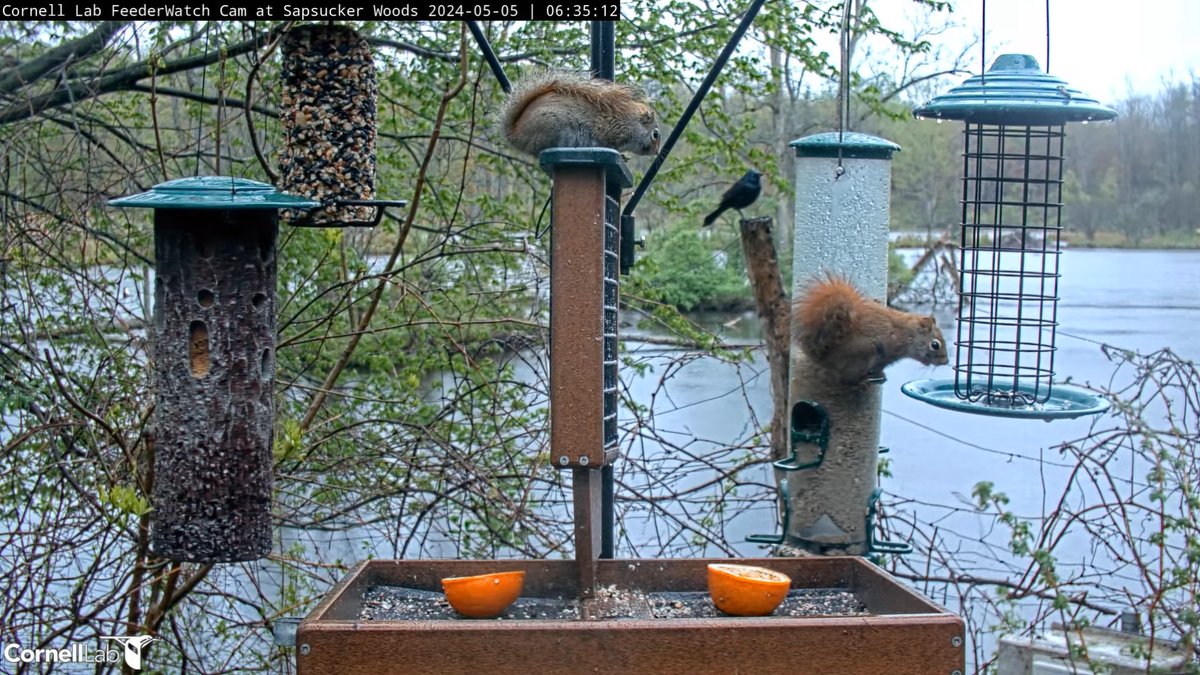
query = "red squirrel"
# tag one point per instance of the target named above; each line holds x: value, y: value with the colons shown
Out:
x: 856, y: 338
x: 563, y: 109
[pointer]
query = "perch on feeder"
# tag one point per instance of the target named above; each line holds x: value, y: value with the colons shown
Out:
x: 214, y: 364
x: 1009, y: 247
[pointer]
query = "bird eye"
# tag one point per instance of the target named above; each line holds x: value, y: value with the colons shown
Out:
x: 936, y: 345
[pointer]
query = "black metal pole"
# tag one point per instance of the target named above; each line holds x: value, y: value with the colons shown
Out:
x: 604, y: 65
x: 701, y: 92
x: 604, y: 48
x: 489, y: 55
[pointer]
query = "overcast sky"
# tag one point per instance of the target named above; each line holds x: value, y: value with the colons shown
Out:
x: 1102, y: 47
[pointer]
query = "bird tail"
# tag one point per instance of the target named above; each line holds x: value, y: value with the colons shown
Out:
x: 712, y: 217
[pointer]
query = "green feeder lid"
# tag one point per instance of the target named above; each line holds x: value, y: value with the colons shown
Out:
x: 615, y: 169
x: 1015, y: 91
x: 214, y: 192
x: 853, y: 145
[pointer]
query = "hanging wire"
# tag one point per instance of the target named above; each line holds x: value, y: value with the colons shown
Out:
x: 843, y: 98
x: 1047, y: 37
x: 203, y: 82
x: 983, y: 43
x: 220, y: 118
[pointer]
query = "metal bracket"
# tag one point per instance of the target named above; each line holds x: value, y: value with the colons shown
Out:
x: 380, y: 205
x: 786, y: 498
x: 283, y: 629
x: 874, y: 545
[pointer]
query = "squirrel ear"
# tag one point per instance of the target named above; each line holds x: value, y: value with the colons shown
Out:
x: 928, y: 322
x: 647, y: 116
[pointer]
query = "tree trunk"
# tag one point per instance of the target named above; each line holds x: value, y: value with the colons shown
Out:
x: 762, y: 266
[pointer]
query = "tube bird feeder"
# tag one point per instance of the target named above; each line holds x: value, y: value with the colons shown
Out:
x: 843, y: 183
x: 1014, y: 117
x: 328, y: 111
x: 214, y: 364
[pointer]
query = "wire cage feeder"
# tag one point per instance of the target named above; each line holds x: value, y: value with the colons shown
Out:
x: 1008, y: 265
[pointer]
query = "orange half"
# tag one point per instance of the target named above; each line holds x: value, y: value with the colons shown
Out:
x: 483, y: 596
x: 745, y: 590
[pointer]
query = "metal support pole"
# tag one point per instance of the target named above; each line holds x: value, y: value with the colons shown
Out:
x: 604, y: 48
x: 489, y: 55
x: 701, y: 92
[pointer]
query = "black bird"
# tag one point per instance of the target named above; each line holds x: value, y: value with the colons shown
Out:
x: 739, y: 195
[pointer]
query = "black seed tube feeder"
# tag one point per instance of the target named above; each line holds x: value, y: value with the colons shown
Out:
x: 328, y: 114
x: 1012, y: 201
x: 214, y: 364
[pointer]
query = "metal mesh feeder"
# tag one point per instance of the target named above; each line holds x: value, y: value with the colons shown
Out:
x: 214, y: 364
x: 1009, y: 242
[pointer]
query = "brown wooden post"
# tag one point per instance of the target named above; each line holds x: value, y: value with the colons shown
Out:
x: 583, y: 332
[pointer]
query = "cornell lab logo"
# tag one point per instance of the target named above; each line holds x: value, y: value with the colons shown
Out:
x: 79, y: 653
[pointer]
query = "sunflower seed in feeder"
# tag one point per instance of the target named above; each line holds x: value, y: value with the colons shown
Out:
x: 328, y: 111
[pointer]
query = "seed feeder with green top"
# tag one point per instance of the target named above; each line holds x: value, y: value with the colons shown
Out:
x: 1014, y: 116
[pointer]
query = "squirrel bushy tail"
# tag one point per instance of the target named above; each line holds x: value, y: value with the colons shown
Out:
x: 855, y: 337
x: 825, y: 315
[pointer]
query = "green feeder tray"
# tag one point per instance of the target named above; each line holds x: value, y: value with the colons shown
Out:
x: 1015, y: 91
x: 1065, y: 401
x: 214, y: 192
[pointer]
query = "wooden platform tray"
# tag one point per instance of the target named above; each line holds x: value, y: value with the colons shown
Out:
x: 902, y: 633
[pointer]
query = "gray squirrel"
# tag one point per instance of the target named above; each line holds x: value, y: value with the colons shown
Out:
x: 556, y: 109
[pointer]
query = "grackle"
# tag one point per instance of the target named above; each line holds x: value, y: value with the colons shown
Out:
x: 739, y: 195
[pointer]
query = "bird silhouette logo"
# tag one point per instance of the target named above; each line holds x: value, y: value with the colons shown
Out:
x: 133, y: 647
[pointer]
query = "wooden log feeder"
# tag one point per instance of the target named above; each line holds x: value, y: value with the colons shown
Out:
x: 214, y: 365
x: 328, y: 114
